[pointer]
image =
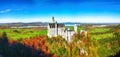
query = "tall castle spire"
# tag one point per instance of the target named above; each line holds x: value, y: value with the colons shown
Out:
x: 53, y: 20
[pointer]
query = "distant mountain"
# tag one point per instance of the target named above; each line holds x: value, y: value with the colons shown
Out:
x: 46, y: 23
x: 24, y: 24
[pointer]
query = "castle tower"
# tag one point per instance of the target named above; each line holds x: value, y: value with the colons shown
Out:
x: 53, y: 20
x: 56, y: 29
x: 75, y: 28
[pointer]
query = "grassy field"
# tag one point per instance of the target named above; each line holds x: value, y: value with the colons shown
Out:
x: 16, y: 34
x: 101, y: 33
x: 97, y: 33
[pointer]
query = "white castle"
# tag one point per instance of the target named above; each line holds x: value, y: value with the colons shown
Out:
x: 58, y: 29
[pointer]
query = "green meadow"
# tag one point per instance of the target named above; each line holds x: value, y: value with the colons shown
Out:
x: 97, y: 33
x: 17, y: 34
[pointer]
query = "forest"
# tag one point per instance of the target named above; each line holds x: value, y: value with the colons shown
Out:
x: 99, y: 42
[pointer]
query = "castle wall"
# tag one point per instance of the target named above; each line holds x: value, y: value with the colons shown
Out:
x: 61, y: 31
x: 70, y: 35
x: 51, y: 32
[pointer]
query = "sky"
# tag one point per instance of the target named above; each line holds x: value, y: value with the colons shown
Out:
x: 84, y: 11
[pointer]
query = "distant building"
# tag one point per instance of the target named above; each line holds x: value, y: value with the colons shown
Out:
x: 58, y: 29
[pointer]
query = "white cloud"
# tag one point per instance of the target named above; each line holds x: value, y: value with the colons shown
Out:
x: 5, y: 10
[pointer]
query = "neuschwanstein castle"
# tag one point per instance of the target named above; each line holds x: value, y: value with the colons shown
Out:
x: 55, y: 29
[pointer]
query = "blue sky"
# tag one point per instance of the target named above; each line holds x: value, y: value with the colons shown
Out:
x: 88, y: 11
